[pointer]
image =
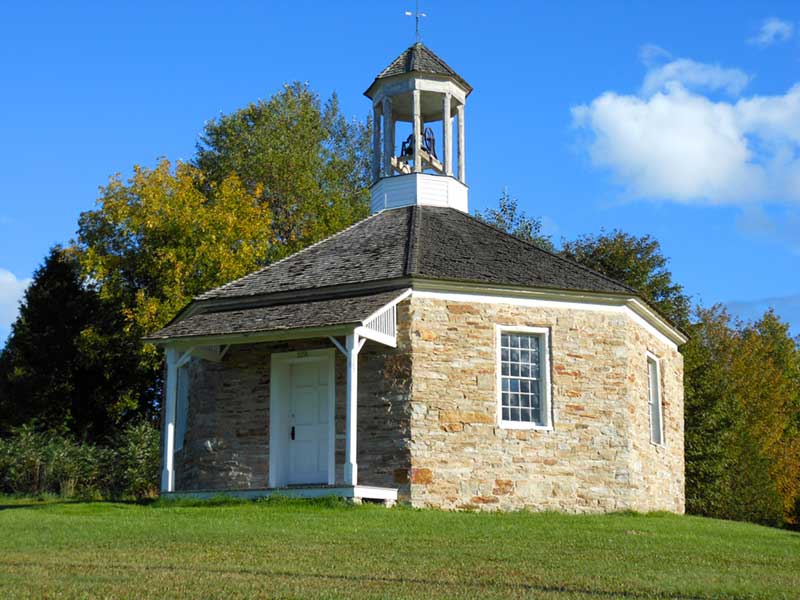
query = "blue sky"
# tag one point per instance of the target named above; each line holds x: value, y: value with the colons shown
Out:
x: 680, y: 120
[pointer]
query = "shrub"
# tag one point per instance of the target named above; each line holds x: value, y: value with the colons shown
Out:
x: 34, y: 463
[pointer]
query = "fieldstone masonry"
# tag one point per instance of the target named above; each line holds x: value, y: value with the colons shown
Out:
x: 427, y: 414
x: 597, y: 457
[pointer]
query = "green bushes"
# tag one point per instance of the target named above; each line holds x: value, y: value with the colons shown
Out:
x: 34, y: 463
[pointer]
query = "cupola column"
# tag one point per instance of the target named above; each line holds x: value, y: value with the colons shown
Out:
x: 376, y: 142
x: 461, y: 154
x: 417, y: 110
x: 388, y: 136
x: 447, y: 125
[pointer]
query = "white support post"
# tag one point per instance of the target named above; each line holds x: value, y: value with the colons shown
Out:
x: 350, y: 464
x: 167, y: 469
x: 388, y: 137
x: 461, y: 153
x: 447, y: 125
x: 417, y: 131
x: 376, y: 142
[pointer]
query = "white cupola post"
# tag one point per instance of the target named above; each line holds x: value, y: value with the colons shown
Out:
x: 420, y: 90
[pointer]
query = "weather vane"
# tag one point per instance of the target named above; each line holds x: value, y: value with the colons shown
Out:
x: 416, y: 14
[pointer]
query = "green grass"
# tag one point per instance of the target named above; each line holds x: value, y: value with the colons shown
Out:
x: 327, y: 549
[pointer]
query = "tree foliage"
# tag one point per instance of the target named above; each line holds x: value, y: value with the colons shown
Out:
x: 637, y: 262
x: 303, y: 160
x: 68, y: 364
x: 507, y: 217
x: 742, y: 418
x: 156, y: 241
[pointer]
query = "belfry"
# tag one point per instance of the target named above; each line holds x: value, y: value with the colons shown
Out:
x: 418, y: 91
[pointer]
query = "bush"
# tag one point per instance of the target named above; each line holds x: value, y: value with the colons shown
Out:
x: 35, y: 463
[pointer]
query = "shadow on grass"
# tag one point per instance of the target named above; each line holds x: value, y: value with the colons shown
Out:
x: 514, y: 587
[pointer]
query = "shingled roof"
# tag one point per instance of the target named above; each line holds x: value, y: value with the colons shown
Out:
x: 283, y: 316
x: 423, y: 242
x: 418, y: 58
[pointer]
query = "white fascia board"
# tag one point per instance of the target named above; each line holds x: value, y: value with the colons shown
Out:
x: 250, y: 338
x: 630, y: 306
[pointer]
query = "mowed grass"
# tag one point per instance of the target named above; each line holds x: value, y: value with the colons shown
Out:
x: 330, y: 550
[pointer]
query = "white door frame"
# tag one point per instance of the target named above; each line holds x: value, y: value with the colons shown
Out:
x: 280, y: 379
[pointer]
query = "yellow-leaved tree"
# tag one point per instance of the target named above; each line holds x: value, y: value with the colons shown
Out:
x: 156, y: 241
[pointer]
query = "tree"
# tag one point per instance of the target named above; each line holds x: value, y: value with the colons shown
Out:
x: 303, y: 161
x: 637, y: 262
x: 67, y: 365
x: 157, y: 241
x: 507, y: 217
x: 742, y: 407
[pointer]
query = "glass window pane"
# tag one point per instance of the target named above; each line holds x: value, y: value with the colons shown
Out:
x: 514, y: 414
x: 514, y: 370
x: 505, y: 413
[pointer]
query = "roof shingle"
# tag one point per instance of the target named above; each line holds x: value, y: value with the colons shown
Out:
x: 279, y: 317
x: 425, y: 242
x: 418, y: 58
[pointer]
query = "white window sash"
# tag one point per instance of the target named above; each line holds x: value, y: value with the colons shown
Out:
x: 654, y: 404
x: 544, y: 377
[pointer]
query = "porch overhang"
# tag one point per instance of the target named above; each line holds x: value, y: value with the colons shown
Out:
x: 209, y: 335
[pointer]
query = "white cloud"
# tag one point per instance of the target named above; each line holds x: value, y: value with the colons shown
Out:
x: 11, y: 291
x: 672, y: 142
x: 692, y: 74
x: 772, y: 30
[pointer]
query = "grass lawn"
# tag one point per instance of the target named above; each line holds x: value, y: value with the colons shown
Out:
x: 326, y: 549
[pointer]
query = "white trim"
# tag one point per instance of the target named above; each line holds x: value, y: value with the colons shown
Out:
x: 376, y: 336
x: 279, y: 382
x: 618, y: 305
x: 167, y: 462
x: 544, y: 376
x: 652, y: 358
x: 362, y: 492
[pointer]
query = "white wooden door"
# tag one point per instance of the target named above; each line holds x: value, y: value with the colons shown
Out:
x: 308, y: 422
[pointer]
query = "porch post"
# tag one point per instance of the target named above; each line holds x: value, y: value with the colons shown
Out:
x: 167, y: 470
x: 350, y: 465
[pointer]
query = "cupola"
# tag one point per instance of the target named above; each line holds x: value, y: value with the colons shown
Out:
x: 415, y: 101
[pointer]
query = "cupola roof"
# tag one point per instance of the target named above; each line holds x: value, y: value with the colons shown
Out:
x: 418, y: 58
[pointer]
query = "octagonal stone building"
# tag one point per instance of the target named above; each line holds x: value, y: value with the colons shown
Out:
x: 424, y: 356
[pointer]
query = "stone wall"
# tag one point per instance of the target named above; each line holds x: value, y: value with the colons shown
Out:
x: 597, y: 457
x: 427, y: 414
x: 227, y: 439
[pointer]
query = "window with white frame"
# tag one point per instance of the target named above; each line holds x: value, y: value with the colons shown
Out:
x: 182, y: 406
x: 524, y: 390
x: 654, y: 401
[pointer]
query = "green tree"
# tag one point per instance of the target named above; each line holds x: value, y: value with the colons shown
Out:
x: 507, y: 217
x: 156, y: 241
x: 68, y: 365
x: 637, y: 262
x: 303, y: 160
x: 742, y: 405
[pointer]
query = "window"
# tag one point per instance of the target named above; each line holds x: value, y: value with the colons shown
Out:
x: 654, y: 401
x: 524, y: 390
x: 181, y: 406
